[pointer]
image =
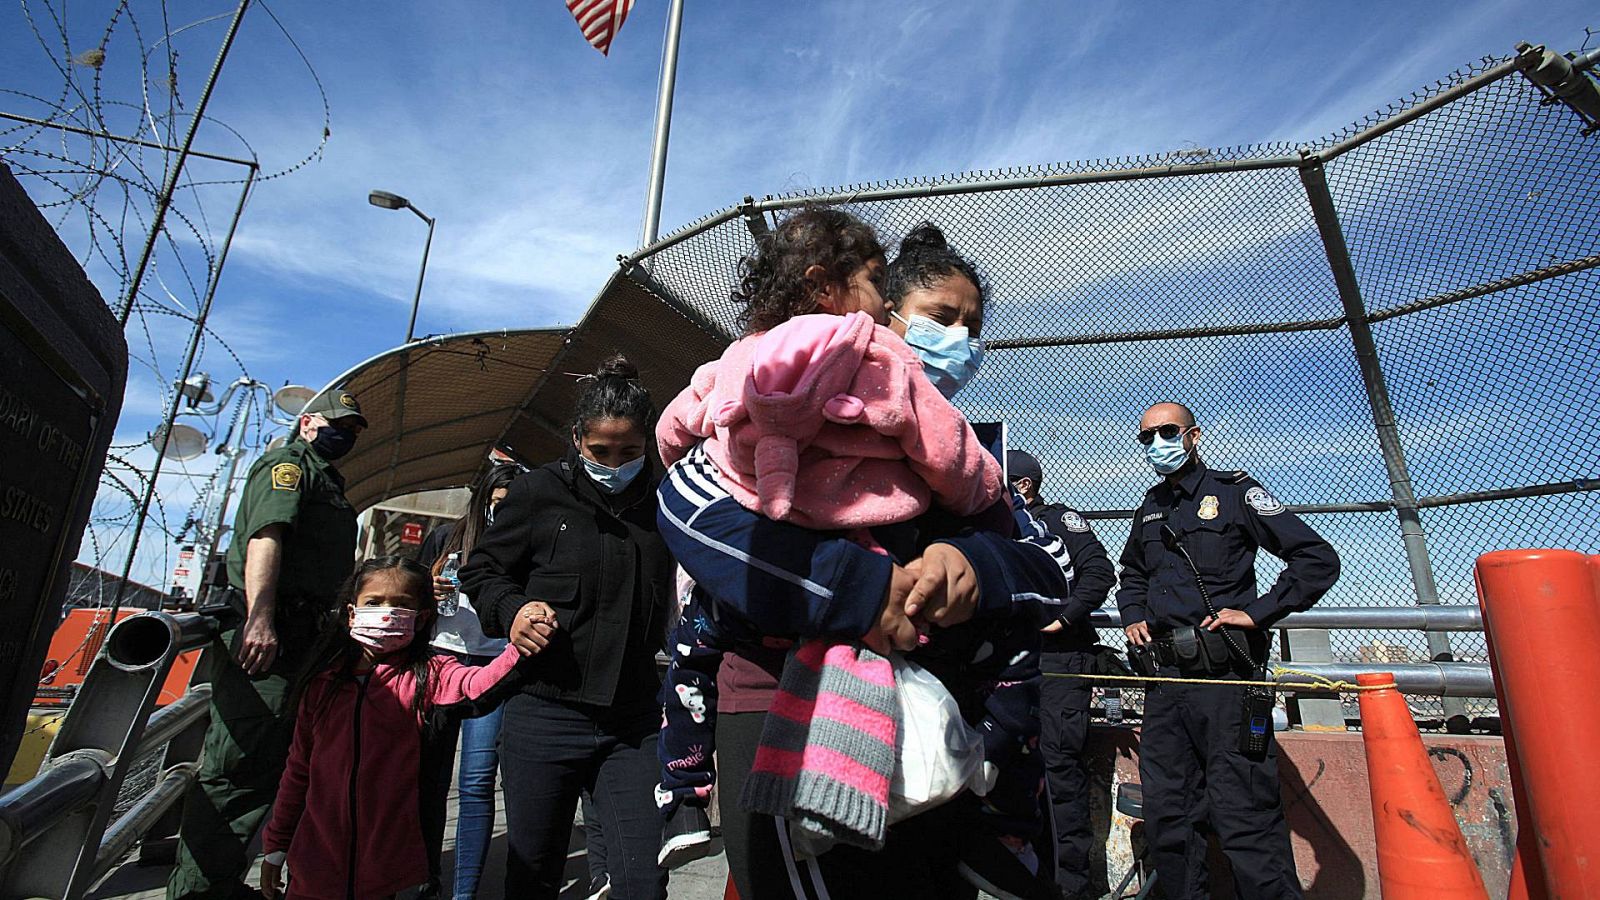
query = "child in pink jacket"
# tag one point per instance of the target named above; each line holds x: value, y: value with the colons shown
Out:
x: 345, y: 819
x: 829, y: 422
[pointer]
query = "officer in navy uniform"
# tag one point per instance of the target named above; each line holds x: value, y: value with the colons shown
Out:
x: 1190, y: 762
x: 1067, y: 649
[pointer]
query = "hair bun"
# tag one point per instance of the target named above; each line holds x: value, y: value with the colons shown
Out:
x: 925, y: 236
x: 617, y: 365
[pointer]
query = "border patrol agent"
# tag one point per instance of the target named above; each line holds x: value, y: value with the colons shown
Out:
x: 1190, y: 760
x: 294, y: 545
x: 1067, y: 647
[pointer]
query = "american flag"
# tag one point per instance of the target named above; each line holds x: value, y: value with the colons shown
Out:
x: 600, y: 20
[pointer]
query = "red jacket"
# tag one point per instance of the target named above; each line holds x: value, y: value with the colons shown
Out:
x: 346, y: 811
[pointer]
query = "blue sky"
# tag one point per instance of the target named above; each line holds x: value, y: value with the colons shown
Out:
x: 531, y: 149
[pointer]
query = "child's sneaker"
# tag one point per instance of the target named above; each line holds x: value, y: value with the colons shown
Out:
x: 685, y: 838
x: 1004, y: 866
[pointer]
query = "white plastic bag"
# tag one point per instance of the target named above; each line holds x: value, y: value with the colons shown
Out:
x: 938, y: 753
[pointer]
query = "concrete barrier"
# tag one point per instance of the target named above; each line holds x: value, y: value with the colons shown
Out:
x: 1326, y: 799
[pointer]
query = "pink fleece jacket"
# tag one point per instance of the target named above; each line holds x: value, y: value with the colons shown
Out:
x: 829, y: 422
x: 346, y: 811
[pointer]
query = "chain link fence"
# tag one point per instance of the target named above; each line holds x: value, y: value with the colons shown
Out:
x: 1468, y: 219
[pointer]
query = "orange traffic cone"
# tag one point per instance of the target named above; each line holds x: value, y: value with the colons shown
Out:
x: 1421, y: 853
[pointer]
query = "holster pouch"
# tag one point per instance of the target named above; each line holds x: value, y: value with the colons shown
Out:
x: 1108, y: 661
x: 1142, y: 660
x: 1199, y: 652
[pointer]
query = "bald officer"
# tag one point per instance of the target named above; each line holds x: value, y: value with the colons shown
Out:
x: 1192, y: 759
x: 294, y: 544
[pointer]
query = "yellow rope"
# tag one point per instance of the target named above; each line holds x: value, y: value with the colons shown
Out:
x: 1317, y: 683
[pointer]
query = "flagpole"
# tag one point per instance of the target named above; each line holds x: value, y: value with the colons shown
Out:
x: 658, y: 151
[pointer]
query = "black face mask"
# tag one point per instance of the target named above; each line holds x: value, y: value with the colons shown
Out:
x: 333, y: 442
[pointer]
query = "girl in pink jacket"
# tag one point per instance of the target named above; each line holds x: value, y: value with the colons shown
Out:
x: 345, y: 819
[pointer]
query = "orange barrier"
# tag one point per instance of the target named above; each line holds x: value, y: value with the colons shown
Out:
x: 1541, y: 613
x: 1421, y: 853
x: 1527, y: 878
x: 76, y: 644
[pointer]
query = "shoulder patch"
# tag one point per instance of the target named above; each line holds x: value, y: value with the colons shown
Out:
x: 286, y: 477
x: 1262, y: 502
x: 1072, y: 521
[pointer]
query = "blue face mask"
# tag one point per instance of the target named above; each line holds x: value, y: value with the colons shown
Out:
x: 949, y: 357
x: 1167, y: 456
x: 612, y: 480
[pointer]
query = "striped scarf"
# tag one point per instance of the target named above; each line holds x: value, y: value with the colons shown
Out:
x: 827, y: 749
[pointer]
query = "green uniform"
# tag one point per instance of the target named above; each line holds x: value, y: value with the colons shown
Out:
x: 247, y: 741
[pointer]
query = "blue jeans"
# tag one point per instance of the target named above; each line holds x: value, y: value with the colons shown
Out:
x: 475, y: 807
x: 474, y: 784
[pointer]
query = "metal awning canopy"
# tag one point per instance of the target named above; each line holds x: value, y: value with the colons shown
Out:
x: 437, y: 406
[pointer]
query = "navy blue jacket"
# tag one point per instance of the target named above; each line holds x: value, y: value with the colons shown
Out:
x: 1221, y: 518
x: 1093, y: 575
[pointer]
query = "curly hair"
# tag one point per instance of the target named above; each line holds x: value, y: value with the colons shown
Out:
x: 772, y: 281
x: 925, y: 259
x: 614, y: 392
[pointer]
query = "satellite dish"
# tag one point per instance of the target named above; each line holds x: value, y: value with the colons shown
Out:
x: 291, y: 398
x: 182, y: 442
x: 276, y: 442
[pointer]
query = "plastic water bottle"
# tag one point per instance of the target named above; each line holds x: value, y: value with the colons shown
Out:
x: 451, y: 573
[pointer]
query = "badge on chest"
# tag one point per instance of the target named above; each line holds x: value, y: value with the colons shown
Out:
x: 1209, y: 508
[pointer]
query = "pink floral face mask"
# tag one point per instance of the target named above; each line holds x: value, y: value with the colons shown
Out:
x: 383, y: 629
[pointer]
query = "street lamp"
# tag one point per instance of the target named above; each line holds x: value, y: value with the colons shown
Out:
x: 386, y: 200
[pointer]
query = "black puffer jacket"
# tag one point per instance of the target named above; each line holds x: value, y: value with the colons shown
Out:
x: 599, y: 562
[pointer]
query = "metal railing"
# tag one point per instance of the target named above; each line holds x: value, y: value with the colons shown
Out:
x: 59, y: 833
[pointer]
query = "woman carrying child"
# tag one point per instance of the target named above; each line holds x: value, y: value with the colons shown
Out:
x: 345, y: 820
x: 785, y: 580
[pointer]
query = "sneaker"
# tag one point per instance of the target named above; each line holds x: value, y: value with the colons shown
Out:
x: 599, y: 888
x: 685, y: 838
x: 1005, y: 867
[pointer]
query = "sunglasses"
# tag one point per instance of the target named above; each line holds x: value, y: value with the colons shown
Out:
x: 1167, y: 432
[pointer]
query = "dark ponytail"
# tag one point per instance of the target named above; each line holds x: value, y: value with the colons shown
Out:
x: 925, y: 259
x: 614, y: 392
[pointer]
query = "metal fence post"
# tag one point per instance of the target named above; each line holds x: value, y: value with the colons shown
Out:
x: 1315, y: 180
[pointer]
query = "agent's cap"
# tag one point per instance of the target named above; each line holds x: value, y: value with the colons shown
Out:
x: 335, y: 405
x: 1021, y: 464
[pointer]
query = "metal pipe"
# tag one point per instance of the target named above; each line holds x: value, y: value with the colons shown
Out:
x: 1128, y: 337
x: 663, y: 131
x: 137, y: 820
x: 32, y: 807
x: 1500, y: 284
x: 976, y: 186
x: 1315, y: 180
x: 164, y: 199
x: 173, y: 718
x: 1406, y: 117
x: 1366, y: 350
x: 106, y: 135
x: 1398, y: 618
x: 416, y: 299
x: 1577, y: 485
x: 171, y: 413
x: 1450, y: 680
